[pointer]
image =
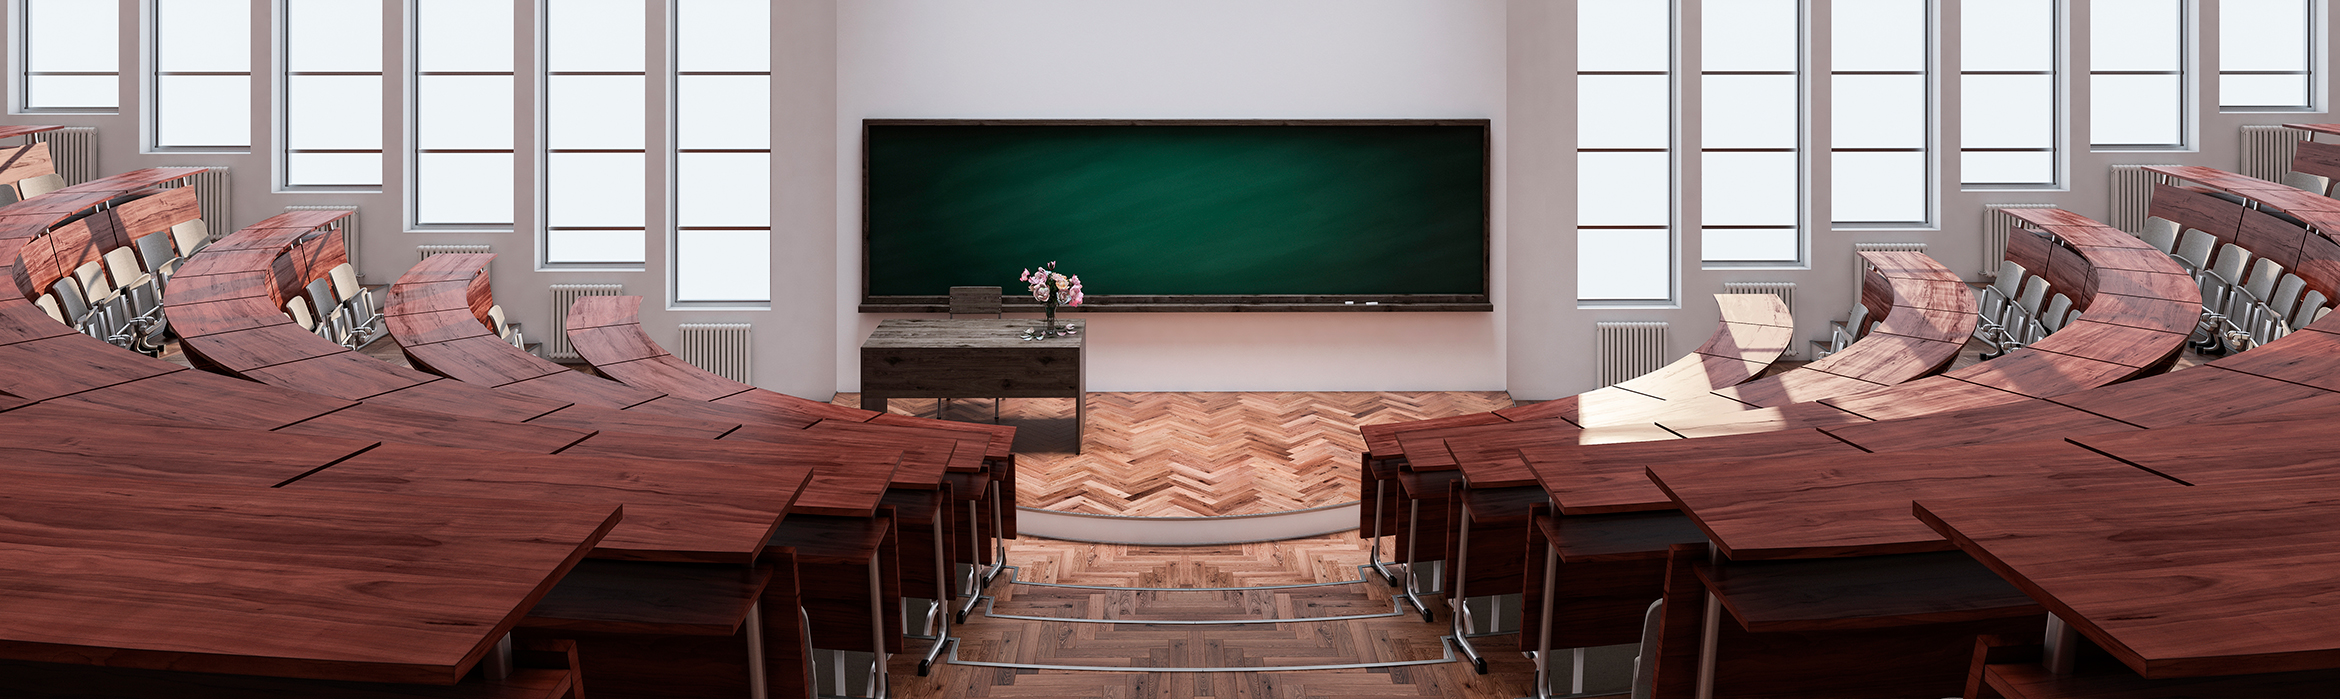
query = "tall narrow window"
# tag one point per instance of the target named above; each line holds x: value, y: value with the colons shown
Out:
x: 332, y: 93
x: 202, y: 74
x: 2136, y: 73
x: 1752, y: 132
x: 462, y: 113
x: 2008, y: 53
x: 723, y: 159
x: 70, y: 59
x: 1624, y: 156
x: 594, y: 96
x: 2266, y: 52
x: 1882, y: 53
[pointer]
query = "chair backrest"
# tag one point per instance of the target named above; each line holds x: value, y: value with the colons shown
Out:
x: 2231, y: 261
x: 345, y: 282
x: 2313, y: 183
x: 2035, y: 292
x: 70, y: 300
x: 2161, y: 233
x: 2307, y: 309
x: 2010, y: 278
x: 321, y: 297
x: 43, y: 184
x: 48, y: 304
x: 2286, y: 295
x: 495, y: 321
x: 122, y: 262
x: 2058, y: 307
x: 975, y: 301
x: 298, y: 308
x: 1645, y: 661
x: 1860, y: 321
x: 92, y: 276
x: 154, y: 250
x: 2263, y: 276
x: 2195, y: 248
x: 191, y: 236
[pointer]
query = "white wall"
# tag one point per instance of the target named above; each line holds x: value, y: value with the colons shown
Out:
x: 1188, y: 59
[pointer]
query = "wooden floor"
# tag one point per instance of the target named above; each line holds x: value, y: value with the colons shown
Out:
x: 1197, y: 454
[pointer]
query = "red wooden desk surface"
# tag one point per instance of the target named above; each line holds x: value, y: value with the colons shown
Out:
x: 2209, y: 580
x: 1610, y: 477
x: 260, y: 581
x: 1831, y: 506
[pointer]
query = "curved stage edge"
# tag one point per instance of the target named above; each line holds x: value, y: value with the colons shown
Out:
x: 1186, y: 531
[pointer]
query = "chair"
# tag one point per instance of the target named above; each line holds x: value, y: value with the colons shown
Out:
x: 2318, y: 184
x: 191, y: 236
x: 2218, y: 286
x: 1851, y: 330
x: 298, y: 308
x: 133, y: 279
x: 2310, y: 309
x: 2057, y: 310
x: 356, y: 300
x: 1996, y: 299
x: 109, y: 311
x: 1644, y: 677
x: 48, y: 304
x: 2161, y: 233
x: 37, y: 185
x: 71, y: 303
x: 2193, y: 251
x: 496, y: 324
x: 2248, y: 308
x: 331, y: 320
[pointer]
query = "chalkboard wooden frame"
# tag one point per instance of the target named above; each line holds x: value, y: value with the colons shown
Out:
x: 1255, y: 303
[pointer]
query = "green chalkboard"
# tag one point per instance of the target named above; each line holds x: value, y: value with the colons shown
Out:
x: 1331, y: 212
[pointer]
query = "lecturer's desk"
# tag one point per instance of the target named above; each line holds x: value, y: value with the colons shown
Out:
x: 986, y: 358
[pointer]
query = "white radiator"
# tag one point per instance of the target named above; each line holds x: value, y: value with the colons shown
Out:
x: 211, y: 191
x: 349, y: 231
x: 75, y: 150
x: 424, y: 252
x: 2267, y: 150
x: 2132, y: 196
x: 1995, y: 224
x: 722, y: 348
x: 1786, y: 291
x: 1860, y: 267
x: 556, y: 343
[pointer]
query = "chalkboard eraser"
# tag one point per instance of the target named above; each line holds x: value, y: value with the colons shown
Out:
x: 1373, y: 303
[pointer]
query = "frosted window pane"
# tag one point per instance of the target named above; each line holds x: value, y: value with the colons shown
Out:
x: 724, y: 189
x: 1750, y: 35
x: 2007, y: 35
x: 1748, y: 244
x: 1880, y: 111
x: 333, y: 112
x: 334, y: 35
x: 203, y: 35
x: 594, y: 189
x: 723, y: 265
x: 1749, y: 189
x: 2133, y: 35
x: 463, y: 35
x: 1879, y: 187
x: 466, y: 112
x: 2008, y: 168
x: 1623, y: 189
x: 1877, y: 35
x: 2259, y: 35
x: 724, y: 35
x: 1616, y: 264
x: 723, y: 111
x: 334, y: 169
x: 594, y: 35
x: 1624, y: 35
x: 72, y: 91
x: 2008, y: 111
x: 593, y: 246
x: 57, y: 37
x: 2263, y: 90
x: 1623, y: 111
x: 1750, y: 111
x: 594, y: 111
x: 203, y: 111
x: 463, y: 188
x: 2134, y: 109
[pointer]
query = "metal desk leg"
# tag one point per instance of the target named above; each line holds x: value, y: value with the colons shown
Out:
x: 755, y: 648
x: 2062, y: 646
x: 1544, y: 629
x: 1413, y: 546
x: 1707, y: 645
x: 878, y: 684
x: 497, y: 666
x: 1374, y: 555
x: 935, y: 616
x: 1459, y: 616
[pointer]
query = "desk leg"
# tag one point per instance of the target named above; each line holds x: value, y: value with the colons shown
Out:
x: 938, y: 616
x: 1080, y: 421
x: 755, y: 646
x: 878, y: 686
x: 497, y: 666
x: 1544, y: 628
x: 1708, y: 643
x: 873, y: 402
x: 1459, y: 617
x: 2062, y: 645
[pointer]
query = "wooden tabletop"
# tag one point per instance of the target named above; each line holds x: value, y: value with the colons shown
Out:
x: 2175, y: 582
x: 2333, y: 129
x: 1610, y: 478
x: 260, y: 581
x: 15, y: 130
x: 976, y: 333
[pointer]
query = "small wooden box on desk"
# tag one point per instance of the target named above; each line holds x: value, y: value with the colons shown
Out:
x: 982, y: 358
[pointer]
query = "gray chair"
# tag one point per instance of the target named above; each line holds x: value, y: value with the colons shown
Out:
x: 30, y: 187
x: 2161, y: 233
x: 332, y: 321
x: 2310, y: 308
x: 357, y: 301
x: 2193, y: 251
x: 2313, y: 183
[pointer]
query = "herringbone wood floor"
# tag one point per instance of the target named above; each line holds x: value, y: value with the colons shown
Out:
x: 1320, y: 559
x: 1197, y: 454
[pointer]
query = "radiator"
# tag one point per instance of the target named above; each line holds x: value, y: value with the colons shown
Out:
x: 1786, y: 291
x: 2267, y: 150
x: 1995, y: 224
x: 349, y: 231
x: 2132, y: 196
x: 75, y: 150
x: 424, y: 252
x: 556, y: 343
x: 722, y: 348
x: 1860, y: 268
x: 211, y: 191
x: 1629, y: 349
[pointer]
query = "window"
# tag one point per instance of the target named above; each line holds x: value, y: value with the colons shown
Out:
x: 1882, y: 118
x: 723, y: 156
x: 2009, y: 51
x: 462, y: 114
x: 2262, y: 63
x: 2136, y: 74
x: 67, y: 67
x: 202, y: 74
x: 595, y: 92
x: 1750, y: 150
x: 332, y: 93
x: 1624, y: 156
